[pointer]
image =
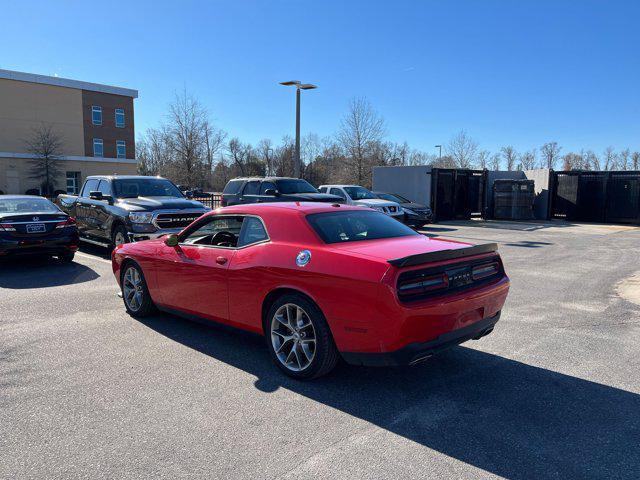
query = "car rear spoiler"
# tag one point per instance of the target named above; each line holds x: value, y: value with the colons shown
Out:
x: 444, y: 255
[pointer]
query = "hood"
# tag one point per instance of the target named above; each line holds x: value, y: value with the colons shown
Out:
x: 159, y: 203
x: 317, y: 197
x: 375, y: 202
x: 391, y: 248
x: 415, y: 206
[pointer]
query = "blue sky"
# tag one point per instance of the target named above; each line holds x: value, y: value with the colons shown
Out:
x: 507, y: 72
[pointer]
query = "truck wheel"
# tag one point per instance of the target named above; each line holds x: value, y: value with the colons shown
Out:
x: 119, y: 236
x: 299, y: 338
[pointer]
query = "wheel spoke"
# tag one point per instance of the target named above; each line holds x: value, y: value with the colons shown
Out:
x: 294, y: 348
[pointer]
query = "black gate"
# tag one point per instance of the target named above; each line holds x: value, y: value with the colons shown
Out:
x: 457, y: 194
x: 596, y: 196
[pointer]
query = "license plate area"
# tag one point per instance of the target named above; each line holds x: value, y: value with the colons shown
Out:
x: 36, y: 228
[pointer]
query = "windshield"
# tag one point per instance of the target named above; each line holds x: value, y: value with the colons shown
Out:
x: 145, y: 187
x: 35, y: 204
x: 359, y: 193
x: 352, y: 226
x: 295, y: 186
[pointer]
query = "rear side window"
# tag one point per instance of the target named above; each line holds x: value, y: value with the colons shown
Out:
x: 252, y: 232
x: 322, y: 189
x: 251, y: 188
x: 353, y: 226
x: 232, y: 187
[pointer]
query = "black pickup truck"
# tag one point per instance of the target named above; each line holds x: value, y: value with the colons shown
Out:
x: 273, y: 189
x: 111, y: 210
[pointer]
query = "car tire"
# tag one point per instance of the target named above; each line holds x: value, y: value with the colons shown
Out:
x: 66, y: 257
x: 135, y: 293
x: 119, y: 235
x: 302, y: 345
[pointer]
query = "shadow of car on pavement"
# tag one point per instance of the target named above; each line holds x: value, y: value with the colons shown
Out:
x: 41, y: 272
x: 514, y: 420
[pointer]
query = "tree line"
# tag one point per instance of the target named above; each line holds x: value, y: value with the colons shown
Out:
x: 190, y: 150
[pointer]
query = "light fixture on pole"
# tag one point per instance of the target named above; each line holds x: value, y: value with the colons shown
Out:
x: 439, y: 154
x: 299, y: 86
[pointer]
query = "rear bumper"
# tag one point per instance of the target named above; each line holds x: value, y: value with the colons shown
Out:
x: 416, y: 352
x: 43, y: 246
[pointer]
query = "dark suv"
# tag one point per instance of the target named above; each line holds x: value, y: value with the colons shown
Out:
x: 273, y: 189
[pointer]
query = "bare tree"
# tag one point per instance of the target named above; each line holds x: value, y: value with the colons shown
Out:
x: 550, y: 153
x: 623, y: 159
x: 528, y: 160
x: 360, y: 129
x: 495, y: 162
x: 213, y: 142
x: 266, y: 153
x: 462, y: 149
x: 635, y: 160
x: 609, y: 157
x: 45, y: 145
x: 591, y: 160
x: 483, y: 159
x: 187, y: 118
x: 510, y: 156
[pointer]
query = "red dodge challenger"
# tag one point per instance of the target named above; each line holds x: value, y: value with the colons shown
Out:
x: 320, y: 282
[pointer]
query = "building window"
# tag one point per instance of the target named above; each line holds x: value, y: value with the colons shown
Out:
x: 98, y: 147
x: 121, y: 149
x: 96, y: 115
x: 73, y: 183
x: 120, y: 117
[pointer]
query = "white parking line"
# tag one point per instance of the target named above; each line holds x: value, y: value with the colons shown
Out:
x: 93, y: 257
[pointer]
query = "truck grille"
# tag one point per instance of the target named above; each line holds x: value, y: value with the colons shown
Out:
x: 175, y: 220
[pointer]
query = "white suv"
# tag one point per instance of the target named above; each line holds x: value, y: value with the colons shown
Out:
x: 357, y: 195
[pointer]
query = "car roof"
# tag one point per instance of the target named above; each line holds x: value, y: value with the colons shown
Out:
x: 264, y: 178
x: 126, y: 177
x: 17, y: 197
x: 287, y: 208
x: 341, y: 185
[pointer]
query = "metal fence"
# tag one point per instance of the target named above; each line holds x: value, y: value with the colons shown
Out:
x: 211, y: 200
x: 596, y: 196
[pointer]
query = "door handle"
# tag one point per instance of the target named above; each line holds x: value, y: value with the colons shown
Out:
x: 221, y: 260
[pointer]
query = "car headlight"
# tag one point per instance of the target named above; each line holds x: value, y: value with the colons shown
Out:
x: 140, y: 217
x: 409, y: 211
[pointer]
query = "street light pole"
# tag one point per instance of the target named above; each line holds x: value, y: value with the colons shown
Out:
x: 296, y: 166
x: 299, y: 86
x: 439, y: 154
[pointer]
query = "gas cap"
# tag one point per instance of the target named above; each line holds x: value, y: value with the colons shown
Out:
x: 304, y: 256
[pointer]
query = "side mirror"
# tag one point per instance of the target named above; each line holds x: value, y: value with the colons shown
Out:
x: 271, y: 191
x: 95, y: 195
x: 171, y: 240
x: 108, y: 198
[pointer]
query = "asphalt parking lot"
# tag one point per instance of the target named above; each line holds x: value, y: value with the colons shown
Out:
x: 87, y: 391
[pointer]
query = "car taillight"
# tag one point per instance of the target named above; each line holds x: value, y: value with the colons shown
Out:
x: 483, y: 271
x: 425, y: 284
x: 6, y: 227
x: 69, y: 222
